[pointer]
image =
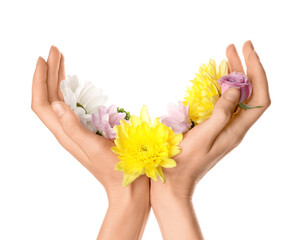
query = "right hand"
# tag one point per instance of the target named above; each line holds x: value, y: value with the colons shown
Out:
x: 207, y: 143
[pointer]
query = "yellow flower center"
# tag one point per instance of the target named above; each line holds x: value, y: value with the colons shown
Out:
x: 145, y: 148
x: 148, y: 154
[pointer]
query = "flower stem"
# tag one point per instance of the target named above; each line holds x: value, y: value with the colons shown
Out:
x: 245, y: 107
x: 79, y: 105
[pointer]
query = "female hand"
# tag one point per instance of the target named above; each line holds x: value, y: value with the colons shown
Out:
x: 92, y: 151
x: 204, y: 145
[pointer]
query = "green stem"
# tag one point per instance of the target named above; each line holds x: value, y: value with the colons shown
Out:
x: 79, y: 105
x: 245, y: 107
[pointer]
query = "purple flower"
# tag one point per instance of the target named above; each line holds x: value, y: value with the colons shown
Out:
x: 177, y: 118
x: 106, y: 119
x: 237, y: 80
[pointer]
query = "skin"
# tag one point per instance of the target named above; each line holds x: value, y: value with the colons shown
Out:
x: 92, y: 151
x: 202, y: 147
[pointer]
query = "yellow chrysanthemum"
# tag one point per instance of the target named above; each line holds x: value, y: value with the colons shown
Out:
x: 205, y: 91
x: 213, y: 71
x: 144, y: 148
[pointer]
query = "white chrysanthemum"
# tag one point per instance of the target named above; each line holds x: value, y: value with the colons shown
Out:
x: 83, y: 98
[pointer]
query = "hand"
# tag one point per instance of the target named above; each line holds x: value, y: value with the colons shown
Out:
x: 204, y: 145
x: 92, y: 151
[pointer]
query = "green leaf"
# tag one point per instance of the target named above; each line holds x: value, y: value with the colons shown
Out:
x: 245, y: 107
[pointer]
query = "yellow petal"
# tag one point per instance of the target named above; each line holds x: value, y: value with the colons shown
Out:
x: 144, y: 117
x: 124, y: 126
x: 119, y: 166
x: 115, y: 150
x: 156, y: 122
x: 174, y: 150
x: 128, y: 179
x: 223, y: 68
x: 161, y: 174
x: 134, y: 121
x: 152, y: 173
x: 176, y: 139
x: 168, y: 163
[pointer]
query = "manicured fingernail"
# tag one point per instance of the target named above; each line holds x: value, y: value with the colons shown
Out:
x: 58, y: 108
x: 233, y: 95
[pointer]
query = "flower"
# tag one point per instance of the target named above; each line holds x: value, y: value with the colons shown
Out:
x: 106, y: 119
x: 214, y: 72
x: 177, y: 118
x: 145, y: 148
x: 237, y: 80
x: 83, y: 99
x: 204, y: 91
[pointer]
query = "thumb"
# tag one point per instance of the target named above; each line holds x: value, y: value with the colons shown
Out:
x: 72, y: 127
x: 224, y: 110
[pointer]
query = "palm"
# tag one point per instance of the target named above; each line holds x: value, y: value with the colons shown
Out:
x: 204, y: 145
x: 92, y: 151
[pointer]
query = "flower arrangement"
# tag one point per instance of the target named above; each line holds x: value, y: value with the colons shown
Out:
x: 143, y: 147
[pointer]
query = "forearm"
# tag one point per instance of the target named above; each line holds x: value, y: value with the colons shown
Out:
x: 176, y: 217
x: 125, y: 219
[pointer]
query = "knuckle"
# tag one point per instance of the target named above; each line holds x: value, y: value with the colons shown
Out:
x: 35, y: 108
x: 238, y: 135
x: 222, y: 115
x: 70, y: 123
x: 268, y: 102
x: 237, y: 140
x: 69, y: 127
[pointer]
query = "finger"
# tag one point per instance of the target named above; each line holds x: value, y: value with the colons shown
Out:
x: 61, y: 77
x: 89, y: 142
x: 207, y: 132
x: 260, y: 95
x: 39, y: 87
x: 50, y: 120
x: 247, y: 49
x: 241, y: 123
x: 221, y: 115
x: 234, y: 61
x: 53, y: 63
x: 257, y: 75
x: 42, y: 108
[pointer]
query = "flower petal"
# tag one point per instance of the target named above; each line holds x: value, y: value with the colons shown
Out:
x: 168, y: 163
x: 128, y: 179
x: 144, y: 116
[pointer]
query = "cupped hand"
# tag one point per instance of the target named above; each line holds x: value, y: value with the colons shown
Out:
x: 91, y: 150
x: 204, y: 145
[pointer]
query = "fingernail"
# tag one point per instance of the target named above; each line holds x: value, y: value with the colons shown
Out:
x: 39, y: 59
x: 232, y: 95
x: 58, y: 108
x: 251, y: 44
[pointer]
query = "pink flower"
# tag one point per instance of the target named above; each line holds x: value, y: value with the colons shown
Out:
x: 106, y: 119
x: 237, y: 80
x: 177, y: 118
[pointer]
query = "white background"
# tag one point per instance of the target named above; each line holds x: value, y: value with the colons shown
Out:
x: 145, y: 52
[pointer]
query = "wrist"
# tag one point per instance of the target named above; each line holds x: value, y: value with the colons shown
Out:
x: 127, y: 213
x: 174, y: 190
x: 175, y: 213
